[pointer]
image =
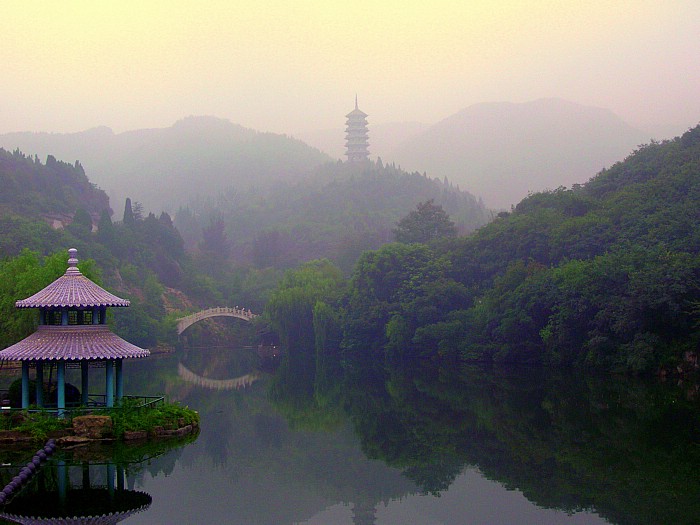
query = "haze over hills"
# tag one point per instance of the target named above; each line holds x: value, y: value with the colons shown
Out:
x: 384, y: 138
x: 165, y: 168
x: 502, y: 151
x: 498, y: 151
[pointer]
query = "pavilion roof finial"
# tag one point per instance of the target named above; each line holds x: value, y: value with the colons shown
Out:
x: 72, y: 290
x: 73, y: 262
x: 356, y: 101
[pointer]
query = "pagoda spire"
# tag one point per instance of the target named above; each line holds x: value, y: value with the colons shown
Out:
x: 356, y: 135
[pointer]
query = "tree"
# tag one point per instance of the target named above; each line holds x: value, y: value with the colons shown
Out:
x: 105, y: 229
x: 214, y: 240
x: 23, y: 276
x: 128, y: 212
x: 81, y: 226
x: 426, y: 223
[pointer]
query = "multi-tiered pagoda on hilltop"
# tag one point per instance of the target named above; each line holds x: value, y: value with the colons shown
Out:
x: 72, y: 332
x: 356, y: 135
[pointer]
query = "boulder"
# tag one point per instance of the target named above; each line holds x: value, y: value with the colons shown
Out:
x: 93, y: 427
x: 135, y: 435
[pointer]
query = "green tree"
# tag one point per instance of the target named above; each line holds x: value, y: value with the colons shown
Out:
x: 426, y: 223
x: 105, y: 229
x: 81, y: 226
x: 21, y: 277
x: 290, y: 308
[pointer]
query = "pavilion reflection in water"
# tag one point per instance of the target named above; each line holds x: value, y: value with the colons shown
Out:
x: 84, y: 493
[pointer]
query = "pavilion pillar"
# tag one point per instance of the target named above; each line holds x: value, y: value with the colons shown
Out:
x: 62, y: 481
x: 111, y: 475
x: 86, y: 475
x: 84, y: 382
x: 61, y: 387
x: 25, y: 384
x: 40, y: 384
x: 120, y: 478
x: 109, y: 387
x: 120, y: 381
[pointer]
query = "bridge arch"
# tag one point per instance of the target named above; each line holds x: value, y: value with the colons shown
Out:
x: 183, y: 323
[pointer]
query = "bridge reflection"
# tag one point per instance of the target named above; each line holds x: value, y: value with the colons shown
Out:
x: 236, y: 383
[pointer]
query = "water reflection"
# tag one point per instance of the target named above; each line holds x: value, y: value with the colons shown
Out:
x: 68, y: 490
x: 328, y: 441
x: 235, y: 383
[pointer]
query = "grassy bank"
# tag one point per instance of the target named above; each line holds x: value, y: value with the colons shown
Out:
x: 128, y: 418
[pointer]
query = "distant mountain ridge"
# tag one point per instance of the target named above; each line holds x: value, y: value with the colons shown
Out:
x: 165, y: 168
x: 502, y: 151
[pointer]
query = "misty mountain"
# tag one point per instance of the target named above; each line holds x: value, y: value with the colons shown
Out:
x: 165, y: 168
x: 504, y: 151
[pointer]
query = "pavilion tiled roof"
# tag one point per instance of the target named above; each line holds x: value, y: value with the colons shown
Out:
x: 72, y: 343
x: 72, y: 290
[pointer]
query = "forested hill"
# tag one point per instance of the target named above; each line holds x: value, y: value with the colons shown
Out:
x: 337, y: 212
x: 605, y: 274
x: 165, y: 168
x: 54, y: 190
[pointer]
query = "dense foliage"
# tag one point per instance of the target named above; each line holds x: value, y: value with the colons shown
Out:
x: 426, y: 223
x: 140, y: 258
x: 605, y: 274
x: 55, y: 189
x: 23, y: 276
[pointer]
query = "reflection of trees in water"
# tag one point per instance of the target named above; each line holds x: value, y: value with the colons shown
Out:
x: 257, y: 451
x: 226, y: 362
x: 627, y: 449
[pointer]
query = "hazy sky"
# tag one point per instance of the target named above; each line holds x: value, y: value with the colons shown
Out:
x: 291, y: 66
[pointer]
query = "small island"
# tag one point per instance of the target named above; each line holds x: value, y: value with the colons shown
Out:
x: 72, y: 333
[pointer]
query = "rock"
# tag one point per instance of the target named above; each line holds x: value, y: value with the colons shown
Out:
x: 9, y: 437
x: 73, y: 440
x: 135, y: 435
x: 93, y: 427
x: 183, y: 431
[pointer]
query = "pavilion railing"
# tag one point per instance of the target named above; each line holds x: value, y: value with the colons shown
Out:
x: 96, y: 403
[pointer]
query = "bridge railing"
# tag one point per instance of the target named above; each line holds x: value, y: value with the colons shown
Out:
x: 184, y: 322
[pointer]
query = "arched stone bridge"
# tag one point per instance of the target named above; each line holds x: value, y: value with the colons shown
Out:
x: 183, y: 323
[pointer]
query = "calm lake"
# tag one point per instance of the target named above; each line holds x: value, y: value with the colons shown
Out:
x: 308, y: 441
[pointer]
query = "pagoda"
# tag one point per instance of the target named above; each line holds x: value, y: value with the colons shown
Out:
x: 72, y: 332
x: 356, y: 135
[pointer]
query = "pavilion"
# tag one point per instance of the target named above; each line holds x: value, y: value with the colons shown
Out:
x: 72, y: 330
